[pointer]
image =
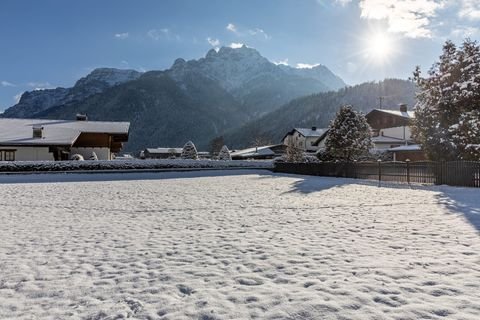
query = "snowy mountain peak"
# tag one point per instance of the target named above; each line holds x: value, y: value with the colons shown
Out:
x: 33, y: 102
x: 111, y: 76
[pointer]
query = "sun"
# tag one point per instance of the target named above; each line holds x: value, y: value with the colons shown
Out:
x: 378, y: 47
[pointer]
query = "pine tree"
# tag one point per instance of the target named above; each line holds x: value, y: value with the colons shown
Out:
x: 224, y: 154
x: 348, y: 136
x: 189, y: 151
x: 448, y: 104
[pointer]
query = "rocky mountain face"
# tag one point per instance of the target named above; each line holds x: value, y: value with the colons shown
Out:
x: 193, y: 100
x: 260, y: 85
x: 33, y: 102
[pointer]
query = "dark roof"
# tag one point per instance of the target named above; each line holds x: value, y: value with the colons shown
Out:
x: 323, y: 136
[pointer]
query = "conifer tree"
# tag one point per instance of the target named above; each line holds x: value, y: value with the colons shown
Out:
x: 189, y: 151
x: 224, y: 154
x: 348, y: 136
x: 447, y: 112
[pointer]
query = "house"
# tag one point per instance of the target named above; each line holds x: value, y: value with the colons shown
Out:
x: 38, y: 139
x: 390, y: 128
x: 412, y: 152
x: 259, y: 153
x: 320, y: 142
x: 162, y: 153
x: 391, y: 132
x: 303, y: 138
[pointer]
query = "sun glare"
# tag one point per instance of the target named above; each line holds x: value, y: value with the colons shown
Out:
x: 378, y: 47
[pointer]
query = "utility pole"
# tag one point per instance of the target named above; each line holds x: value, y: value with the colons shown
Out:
x: 380, y: 99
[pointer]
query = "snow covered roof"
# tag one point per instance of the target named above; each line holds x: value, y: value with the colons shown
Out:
x: 254, y: 152
x: 403, y: 114
x: 54, y: 132
x: 164, y: 150
x: 412, y: 147
x: 322, y: 137
x: 308, y: 132
x: 387, y: 139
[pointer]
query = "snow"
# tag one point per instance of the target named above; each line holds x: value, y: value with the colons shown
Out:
x: 408, y: 114
x: 410, y: 147
x: 235, y: 245
x: 308, y: 132
x: 55, y: 132
x: 128, y: 164
x: 253, y: 152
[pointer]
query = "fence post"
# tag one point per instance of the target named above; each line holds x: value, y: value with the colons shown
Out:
x: 379, y: 171
x: 355, y: 169
x: 408, y: 170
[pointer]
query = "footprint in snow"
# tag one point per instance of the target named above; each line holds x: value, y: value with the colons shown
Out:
x: 185, y: 289
x: 249, y: 281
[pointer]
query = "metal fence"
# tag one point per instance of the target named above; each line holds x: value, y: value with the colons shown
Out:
x: 454, y: 173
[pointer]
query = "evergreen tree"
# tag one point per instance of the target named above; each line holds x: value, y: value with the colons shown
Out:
x: 224, y: 154
x: 447, y: 112
x: 348, y: 136
x: 189, y: 151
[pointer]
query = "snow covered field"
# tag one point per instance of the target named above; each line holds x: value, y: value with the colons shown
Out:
x: 235, y: 245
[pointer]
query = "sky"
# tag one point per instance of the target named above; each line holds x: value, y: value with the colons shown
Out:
x: 52, y: 43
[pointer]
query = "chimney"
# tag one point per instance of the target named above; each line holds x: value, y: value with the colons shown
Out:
x: 403, y: 107
x: 37, y: 132
x: 314, y: 128
x: 81, y: 117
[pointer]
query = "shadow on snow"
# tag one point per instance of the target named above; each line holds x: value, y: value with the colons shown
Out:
x: 457, y: 200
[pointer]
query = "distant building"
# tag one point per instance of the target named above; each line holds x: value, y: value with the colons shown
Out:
x: 162, y: 153
x: 320, y: 142
x: 37, y: 139
x: 303, y: 138
x: 391, y: 132
x: 412, y: 152
x: 259, y: 153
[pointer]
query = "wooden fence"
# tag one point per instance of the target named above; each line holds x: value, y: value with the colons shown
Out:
x: 454, y: 173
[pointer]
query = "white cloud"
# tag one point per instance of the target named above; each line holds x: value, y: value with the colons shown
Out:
x: 469, y: 9
x: 231, y: 27
x: 247, y: 32
x: 343, y: 3
x: 409, y: 17
x: 306, y: 65
x: 17, y: 97
x: 40, y: 85
x: 7, y: 84
x: 157, y: 34
x: 282, y: 62
x: 258, y: 31
x: 465, y: 32
x: 213, y: 42
x: 121, y: 36
x: 236, y: 45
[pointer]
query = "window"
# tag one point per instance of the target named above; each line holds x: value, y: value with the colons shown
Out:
x: 7, y: 155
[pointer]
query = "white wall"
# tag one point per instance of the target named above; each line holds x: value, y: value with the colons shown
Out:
x: 397, y: 132
x: 308, y: 143
x: 31, y: 153
x: 102, y: 153
x: 301, y: 142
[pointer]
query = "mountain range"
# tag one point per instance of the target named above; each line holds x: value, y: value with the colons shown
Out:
x: 236, y: 93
